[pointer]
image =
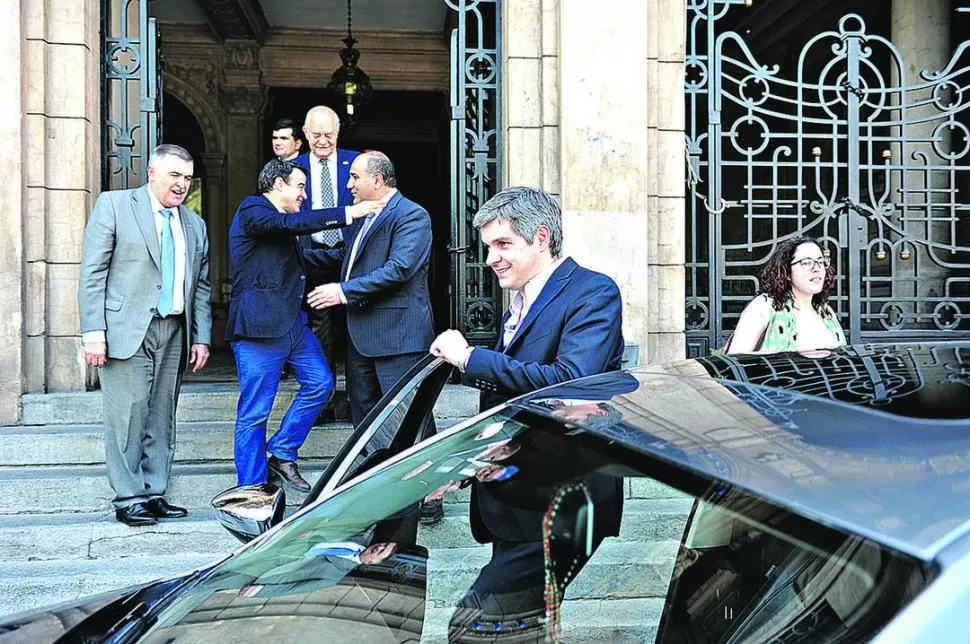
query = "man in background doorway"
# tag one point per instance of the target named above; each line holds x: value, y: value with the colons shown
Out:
x: 286, y: 140
x: 328, y: 169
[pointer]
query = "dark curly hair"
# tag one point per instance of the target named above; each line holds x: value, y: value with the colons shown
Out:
x: 776, y: 277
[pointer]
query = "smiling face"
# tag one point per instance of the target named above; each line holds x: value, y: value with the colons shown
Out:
x: 292, y: 191
x: 169, y: 179
x: 514, y: 259
x: 808, y: 281
x: 362, y: 185
x: 321, y: 131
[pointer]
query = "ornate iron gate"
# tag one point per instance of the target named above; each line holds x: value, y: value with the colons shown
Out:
x: 131, y: 67
x: 476, y: 163
x: 848, y: 150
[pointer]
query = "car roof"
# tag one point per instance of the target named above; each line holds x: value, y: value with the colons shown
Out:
x: 870, y: 439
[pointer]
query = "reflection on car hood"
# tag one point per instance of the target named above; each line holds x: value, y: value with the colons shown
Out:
x: 872, y: 439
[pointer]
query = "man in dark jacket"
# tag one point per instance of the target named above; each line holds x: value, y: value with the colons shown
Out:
x: 267, y: 324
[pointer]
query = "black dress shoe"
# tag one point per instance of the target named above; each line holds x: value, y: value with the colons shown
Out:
x: 162, y: 509
x: 135, y: 514
x: 431, y: 512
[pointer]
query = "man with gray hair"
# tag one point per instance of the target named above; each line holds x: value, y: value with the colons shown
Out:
x: 564, y: 322
x: 267, y: 324
x: 144, y: 311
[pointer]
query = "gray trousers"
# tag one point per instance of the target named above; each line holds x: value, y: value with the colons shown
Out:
x: 139, y: 395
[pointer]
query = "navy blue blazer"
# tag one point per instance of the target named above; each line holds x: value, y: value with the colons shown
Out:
x: 344, y: 160
x: 573, y: 329
x: 268, y: 270
x: 388, y: 304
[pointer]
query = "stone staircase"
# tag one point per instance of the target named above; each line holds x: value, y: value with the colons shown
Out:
x: 59, y: 540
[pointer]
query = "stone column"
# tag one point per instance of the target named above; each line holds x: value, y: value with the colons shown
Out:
x: 12, y: 47
x: 57, y: 113
x: 218, y: 218
x: 243, y: 97
x: 621, y: 142
x: 921, y: 33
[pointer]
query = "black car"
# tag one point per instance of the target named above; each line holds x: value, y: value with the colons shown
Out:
x: 818, y: 497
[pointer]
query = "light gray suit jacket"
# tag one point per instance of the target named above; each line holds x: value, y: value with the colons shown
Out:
x: 121, y: 278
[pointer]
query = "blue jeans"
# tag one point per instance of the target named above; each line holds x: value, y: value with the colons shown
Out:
x: 259, y: 362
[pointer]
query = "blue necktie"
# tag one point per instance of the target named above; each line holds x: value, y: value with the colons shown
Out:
x: 168, y: 265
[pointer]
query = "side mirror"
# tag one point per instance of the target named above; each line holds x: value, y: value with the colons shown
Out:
x: 248, y: 511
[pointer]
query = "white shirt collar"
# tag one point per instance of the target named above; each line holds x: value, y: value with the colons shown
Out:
x: 535, y: 285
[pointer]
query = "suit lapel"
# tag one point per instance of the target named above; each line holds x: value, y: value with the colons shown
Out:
x: 145, y: 219
x: 556, y: 283
x: 343, y: 175
x: 189, y: 236
x: 386, y: 215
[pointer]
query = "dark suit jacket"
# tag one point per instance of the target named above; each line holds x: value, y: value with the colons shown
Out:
x: 388, y: 304
x: 573, y: 329
x: 268, y: 270
x: 344, y: 160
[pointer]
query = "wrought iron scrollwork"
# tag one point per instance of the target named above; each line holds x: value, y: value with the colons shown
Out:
x: 476, y: 165
x: 131, y: 92
x: 837, y: 144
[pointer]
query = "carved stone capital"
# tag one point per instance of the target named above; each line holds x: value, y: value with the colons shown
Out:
x: 246, y: 99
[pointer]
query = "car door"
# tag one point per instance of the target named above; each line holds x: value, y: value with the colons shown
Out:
x: 393, y: 425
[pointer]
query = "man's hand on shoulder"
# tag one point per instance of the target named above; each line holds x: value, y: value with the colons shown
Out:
x: 364, y: 208
x: 96, y: 353
x: 452, y: 347
x: 198, y: 356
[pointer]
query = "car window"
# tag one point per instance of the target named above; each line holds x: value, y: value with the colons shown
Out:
x: 395, y: 424
x: 670, y: 557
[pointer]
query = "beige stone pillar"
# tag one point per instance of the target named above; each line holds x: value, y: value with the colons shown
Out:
x: 921, y: 33
x: 54, y: 115
x: 11, y: 204
x: 620, y: 104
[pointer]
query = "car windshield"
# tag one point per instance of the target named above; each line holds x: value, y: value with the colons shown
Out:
x: 629, y: 548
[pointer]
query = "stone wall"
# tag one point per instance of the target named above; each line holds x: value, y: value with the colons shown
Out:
x: 594, y: 113
x: 50, y: 97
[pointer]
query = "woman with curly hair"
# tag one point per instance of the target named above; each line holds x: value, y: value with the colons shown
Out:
x: 792, y: 312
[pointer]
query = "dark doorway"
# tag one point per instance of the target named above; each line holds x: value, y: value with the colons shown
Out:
x: 412, y: 129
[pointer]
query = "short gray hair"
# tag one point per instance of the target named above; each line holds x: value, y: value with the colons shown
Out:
x: 322, y: 109
x: 276, y: 169
x: 525, y: 209
x: 169, y: 150
x: 379, y: 163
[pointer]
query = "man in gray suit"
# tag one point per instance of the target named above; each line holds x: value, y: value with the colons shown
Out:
x: 144, y: 309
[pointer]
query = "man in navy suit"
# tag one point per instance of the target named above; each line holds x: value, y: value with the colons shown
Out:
x: 384, y: 285
x: 564, y: 322
x: 267, y: 325
x: 328, y: 169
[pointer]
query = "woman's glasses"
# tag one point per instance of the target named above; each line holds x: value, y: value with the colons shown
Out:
x: 810, y: 263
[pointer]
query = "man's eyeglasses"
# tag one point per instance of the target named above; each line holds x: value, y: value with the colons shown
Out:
x: 809, y: 263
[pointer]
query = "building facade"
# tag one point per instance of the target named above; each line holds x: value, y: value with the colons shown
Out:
x: 593, y: 102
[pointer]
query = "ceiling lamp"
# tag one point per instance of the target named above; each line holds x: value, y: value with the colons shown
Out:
x: 349, y: 81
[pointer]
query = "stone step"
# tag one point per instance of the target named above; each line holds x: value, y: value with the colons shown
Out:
x: 211, y: 402
x: 84, y: 488
x: 618, y: 569
x: 618, y: 621
x: 36, y: 584
x: 196, y: 442
x: 97, y: 535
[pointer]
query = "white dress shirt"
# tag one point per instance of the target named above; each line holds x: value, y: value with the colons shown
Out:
x: 523, y: 299
x: 314, y: 179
